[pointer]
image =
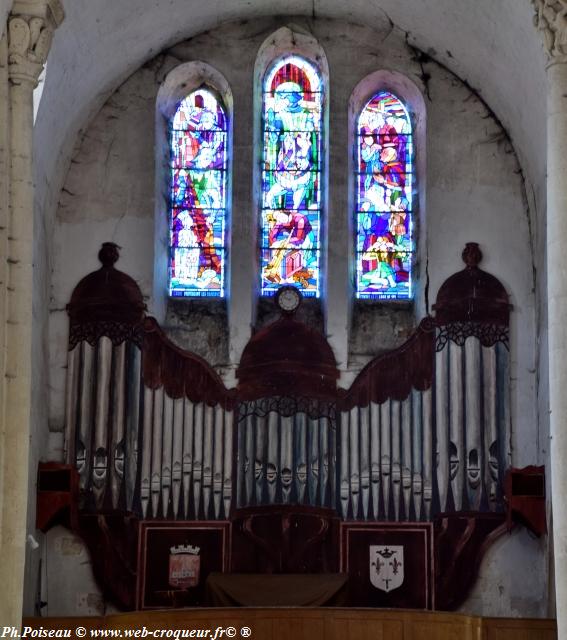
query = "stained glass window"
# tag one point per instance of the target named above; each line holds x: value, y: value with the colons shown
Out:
x: 198, y: 144
x: 291, y: 177
x: 384, y: 184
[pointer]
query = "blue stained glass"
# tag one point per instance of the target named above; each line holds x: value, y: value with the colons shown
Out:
x: 198, y: 146
x: 198, y: 189
x: 384, y: 197
x: 197, y: 150
x: 291, y: 196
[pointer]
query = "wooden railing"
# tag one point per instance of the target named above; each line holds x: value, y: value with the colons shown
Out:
x: 315, y: 624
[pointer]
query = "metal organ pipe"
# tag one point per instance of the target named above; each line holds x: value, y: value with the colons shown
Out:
x: 133, y: 386
x: 117, y: 443
x: 139, y: 449
x: 187, y: 468
x: 208, y: 432
x: 442, y: 386
x: 198, y: 458
x: 474, y: 454
x: 218, y: 442
x: 365, y: 461
x: 354, y: 463
x: 145, y: 484
x: 228, y: 462
x: 457, y: 424
x: 84, y: 451
x: 490, y: 423
x: 396, y: 473
x: 374, y: 416
x: 300, y: 445
x: 286, y: 453
x: 427, y: 451
x: 177, y: 456
x: 72, y: 433
x: 406, y: 462
x: 166, y: 457
x: 385, y: 468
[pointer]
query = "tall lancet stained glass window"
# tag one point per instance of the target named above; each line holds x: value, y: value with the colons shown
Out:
x: 198, y: 144
x: 384, y: 186
x: 291, y: 177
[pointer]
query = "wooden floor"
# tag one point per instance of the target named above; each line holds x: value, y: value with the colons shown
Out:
x: 308, y: 624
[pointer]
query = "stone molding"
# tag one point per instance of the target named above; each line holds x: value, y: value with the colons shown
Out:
x: 551, y: 20
x: 30, y: 31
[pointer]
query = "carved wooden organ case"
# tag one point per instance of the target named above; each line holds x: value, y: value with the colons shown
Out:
x: 421, y: 438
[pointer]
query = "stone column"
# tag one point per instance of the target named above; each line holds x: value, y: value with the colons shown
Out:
x: 30, y: 29
x: 551, y: 20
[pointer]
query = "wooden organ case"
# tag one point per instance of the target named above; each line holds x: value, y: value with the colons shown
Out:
x: 393, y: 488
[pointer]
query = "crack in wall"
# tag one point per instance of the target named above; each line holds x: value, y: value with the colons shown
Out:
x: 421, y: 58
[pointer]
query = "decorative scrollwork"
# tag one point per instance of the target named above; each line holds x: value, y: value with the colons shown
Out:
x: 551, y: 20
x: 458, y: 332
x: 92, y: 332
x: 287, y: 406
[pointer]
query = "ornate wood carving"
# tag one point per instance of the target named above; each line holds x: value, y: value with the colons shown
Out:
x: 179, y: 372
x: 112, y: 540
x: 106, y: 302
x: 461, y: 540
x: 287, y: 358
x: 284, y: 539
x: 57, y: 495
x: 287, y: 406
x: 472, y: 295
x: 394, y: 374
x: 525, y: 497
x: 170, y: 465
x: 458, y: 332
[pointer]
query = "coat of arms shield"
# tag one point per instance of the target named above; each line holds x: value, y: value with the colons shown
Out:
x: 386, y: 566
x: 184, y: 566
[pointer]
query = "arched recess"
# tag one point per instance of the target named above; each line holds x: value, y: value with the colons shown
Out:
x: 291, y: 66
x: 389, y: 92
x: 203, y: 84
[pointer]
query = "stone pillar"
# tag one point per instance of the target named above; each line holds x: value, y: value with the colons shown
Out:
x: 551, y: 20
x: 30, y: 29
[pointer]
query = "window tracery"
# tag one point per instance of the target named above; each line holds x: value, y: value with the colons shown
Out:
x: 384, y: 198
x: 292, y: 107
x: 198, y: 148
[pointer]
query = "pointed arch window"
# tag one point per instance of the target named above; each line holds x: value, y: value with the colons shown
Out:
x: 384, y: 199
x: 292, y: 108
x: 198, y: 187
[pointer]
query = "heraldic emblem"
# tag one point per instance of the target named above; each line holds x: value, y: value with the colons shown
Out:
x: 184, y: 566
x: 386, y: 566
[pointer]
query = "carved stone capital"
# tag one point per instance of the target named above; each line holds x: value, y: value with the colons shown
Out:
x: 551, y: 19
x: 30, y: 30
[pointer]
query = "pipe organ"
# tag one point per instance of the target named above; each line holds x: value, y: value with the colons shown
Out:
x: 439, y: 450
x: 424, y: 430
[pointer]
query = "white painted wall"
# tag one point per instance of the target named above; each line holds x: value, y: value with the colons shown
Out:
x: 5, y: 6
x: 510, y: 579
x: 473, y: 189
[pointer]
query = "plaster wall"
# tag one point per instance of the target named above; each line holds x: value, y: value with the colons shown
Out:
x: 5, y: 6
x: 67, y: 577
x: 472, y: 190
x: 511, y: 579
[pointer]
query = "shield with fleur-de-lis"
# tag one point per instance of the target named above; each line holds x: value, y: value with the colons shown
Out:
x: 386, y: 566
